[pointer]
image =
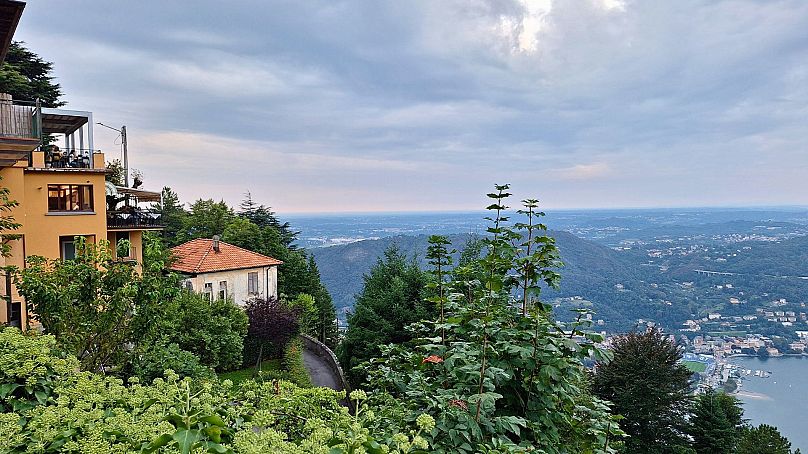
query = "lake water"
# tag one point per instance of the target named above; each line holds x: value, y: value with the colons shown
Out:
x: 782, y: 397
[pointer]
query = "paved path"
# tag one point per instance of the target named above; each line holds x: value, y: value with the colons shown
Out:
x: 320, y: 373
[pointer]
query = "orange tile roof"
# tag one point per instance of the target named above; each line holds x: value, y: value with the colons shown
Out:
x: 197, y: 256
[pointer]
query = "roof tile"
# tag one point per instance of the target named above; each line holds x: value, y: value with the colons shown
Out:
x: 197, y: 256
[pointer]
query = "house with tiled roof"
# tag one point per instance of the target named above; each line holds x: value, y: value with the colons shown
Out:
x: 224, y: 271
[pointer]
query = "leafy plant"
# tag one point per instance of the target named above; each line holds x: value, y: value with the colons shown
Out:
x: 498, y: 373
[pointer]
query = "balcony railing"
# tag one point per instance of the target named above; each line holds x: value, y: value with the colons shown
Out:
x: 17, y: 121
x: 133, y: 218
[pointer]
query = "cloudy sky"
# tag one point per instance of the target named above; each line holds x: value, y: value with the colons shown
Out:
x: 423, y: 105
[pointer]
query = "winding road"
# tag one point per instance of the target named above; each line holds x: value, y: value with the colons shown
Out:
x: 319, y: 371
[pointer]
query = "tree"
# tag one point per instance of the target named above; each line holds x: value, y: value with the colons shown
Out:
x: 206, y: 219
x: 495, y: 378
x: 763, y: 439
x: 214, y: 331
x: 87, y: 303
x: 264, y: 217
x: 172, y: 215
x: 650, y: 388
x: 272, y: 324
x: 715, y: 423
x: 392, y: 297
x: 27, y: 77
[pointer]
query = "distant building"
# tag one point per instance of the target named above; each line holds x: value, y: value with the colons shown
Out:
x: 222, y: 270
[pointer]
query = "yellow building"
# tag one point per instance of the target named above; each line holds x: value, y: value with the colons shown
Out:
x: 60, y: 188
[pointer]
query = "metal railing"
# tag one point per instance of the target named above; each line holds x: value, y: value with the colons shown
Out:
x: 129, y: 217
x: 57, y: 158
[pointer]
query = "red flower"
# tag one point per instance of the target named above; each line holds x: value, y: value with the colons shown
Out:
x: 434, y: 359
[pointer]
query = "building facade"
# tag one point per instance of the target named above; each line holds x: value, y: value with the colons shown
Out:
x: 224, y: 271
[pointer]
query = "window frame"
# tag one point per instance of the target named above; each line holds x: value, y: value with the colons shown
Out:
x: 250, y: 290
x: 71, y: 198
x: 222, y: 290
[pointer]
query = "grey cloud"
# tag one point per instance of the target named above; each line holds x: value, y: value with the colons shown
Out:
x: 589, y: 103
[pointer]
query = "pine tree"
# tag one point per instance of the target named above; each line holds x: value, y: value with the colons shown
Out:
x: 171, y: 214
x: 27, y: 77
x: 392, y: 297
x: 764, y: 439
x: 650, y: 388
x: 715, y: 423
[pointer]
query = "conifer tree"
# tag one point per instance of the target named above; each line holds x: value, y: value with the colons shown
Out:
x: 650, y: 388
x: 715, y: 423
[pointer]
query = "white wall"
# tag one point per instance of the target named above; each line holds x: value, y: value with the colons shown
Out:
x: 237, y: 283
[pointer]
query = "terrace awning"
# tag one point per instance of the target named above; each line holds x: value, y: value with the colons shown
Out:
x: 140, y: 194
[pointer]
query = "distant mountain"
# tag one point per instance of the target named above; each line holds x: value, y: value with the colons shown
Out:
x: 610, y: 279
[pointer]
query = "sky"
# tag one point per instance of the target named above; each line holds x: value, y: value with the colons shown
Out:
x: 328, y: 106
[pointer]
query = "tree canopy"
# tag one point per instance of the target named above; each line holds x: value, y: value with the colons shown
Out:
x: 27, y: 77
x: 648, y: 386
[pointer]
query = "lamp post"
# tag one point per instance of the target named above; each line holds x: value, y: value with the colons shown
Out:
x: 122, y: 132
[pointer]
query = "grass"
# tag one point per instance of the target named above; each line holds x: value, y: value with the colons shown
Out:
x: 238, y: 376
x: 290, y: 368
x: 695, y: 366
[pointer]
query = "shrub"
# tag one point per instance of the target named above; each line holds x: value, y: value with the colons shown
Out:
x: 88, y: 412
x: 155, y: 360
x: 214, y: 331
x: 294, y: 365
x: 272, y: 324
x: 30, y: 367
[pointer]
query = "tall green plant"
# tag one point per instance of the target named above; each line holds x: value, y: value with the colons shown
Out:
x: 498, y: 373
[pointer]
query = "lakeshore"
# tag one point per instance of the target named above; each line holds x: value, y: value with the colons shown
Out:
x: 776, y: 400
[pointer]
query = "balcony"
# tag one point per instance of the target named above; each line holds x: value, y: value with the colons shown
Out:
x: 65, y: 136
x: 124, y: 212
x: 18, y: 134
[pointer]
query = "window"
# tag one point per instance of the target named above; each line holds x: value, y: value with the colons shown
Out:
x: 70, y: 197
x: 123, y: 246
x: 189, y: 285
x: 223, y: 290
x: 67, y: 247
x: 15, y: 314
x: 252, y: 283
x: 208, y: 292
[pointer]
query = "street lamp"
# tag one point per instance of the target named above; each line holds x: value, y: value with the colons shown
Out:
x: 122, y: 132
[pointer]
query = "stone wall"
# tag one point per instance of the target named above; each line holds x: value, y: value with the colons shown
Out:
x: 318, y: 348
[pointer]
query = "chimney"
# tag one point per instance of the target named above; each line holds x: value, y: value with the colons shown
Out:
x: 216, y: 243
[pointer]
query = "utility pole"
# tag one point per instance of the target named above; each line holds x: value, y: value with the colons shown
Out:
x: 125, y: 155
x: 122, y: 132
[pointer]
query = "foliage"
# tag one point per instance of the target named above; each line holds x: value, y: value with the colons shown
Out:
x: 171, y: 214
x: 307, y: 308
x: 391, y: 299
x: 496, y: 377
x: 30, y: 368
x: 205, y: 219
x: 256, y: 228
x: 116, y: 174
x: 763, y: 438
x: 649, y: 387
x: 154, y: 360
x: 87, y: 412
x: 293, y: 363
x: 7, y: 222
x: 87, y: 303
x: 715, y: 423
x: 272, y: 324
x: 27, y: 77
x: 214, y: 331
x: 96, y: 305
